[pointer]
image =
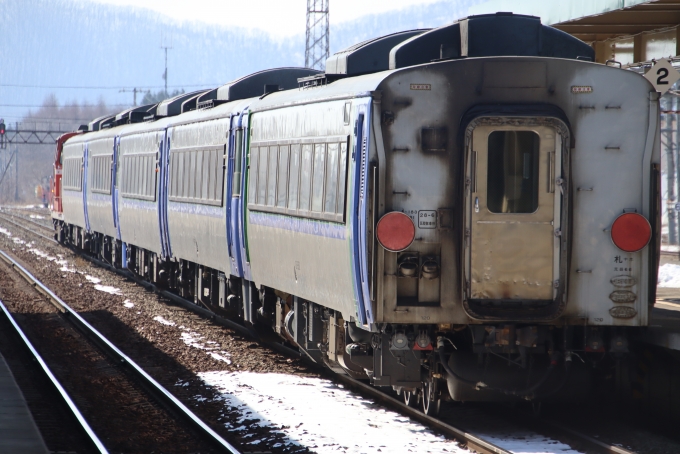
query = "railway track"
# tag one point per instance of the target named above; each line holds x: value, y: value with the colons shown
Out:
x: 472, y: 441
x: 162, y: 396
x: 48, y: 234
x: 84, y: 430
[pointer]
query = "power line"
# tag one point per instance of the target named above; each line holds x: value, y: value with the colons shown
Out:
x: 64, y: 106
x: 92, y: 87
x: 25, y: 118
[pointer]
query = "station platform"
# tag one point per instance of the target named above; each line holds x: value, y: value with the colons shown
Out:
x: 664, y: 320
x: 18, y: 431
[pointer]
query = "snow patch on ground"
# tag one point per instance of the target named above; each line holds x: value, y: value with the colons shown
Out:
x: 64, y: 266
x: 41, y: 254
x: 36, y: 216
x: 219, y: 357
x: 519, y: 442
x: 163, y: 321
x: 5, y: 232
x: 307, y: 411
x: 129, y: 304
x: 93, y: 279
x: 192, y: 339
x: 669, y: 275
x: 108, y: 289
x: 212, y: 348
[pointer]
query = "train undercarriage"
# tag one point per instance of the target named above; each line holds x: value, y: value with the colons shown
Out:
x: 426, y: 364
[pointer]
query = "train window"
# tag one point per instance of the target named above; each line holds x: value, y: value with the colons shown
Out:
x: 252, y: 174
x: 294, y: 175
x: 196, y: 175
x: 140, y: 166
x: 208, y: 177
x: 262, y: 177
x: 308, y: 179
x: 283, y: 177
x: 342, y: 175
x: 192, y: 175
x: 236, y: 183
x: 305, y: 176
x: 271, y: 181
x: 178, y: 174
x: 201, y: 176
x: 139, y: 176
x: 101, y: 174
x: 173, y: 173
x: 331, y: 178
x: 216, y: 175
x: 318, y: 177
x: 72, y: 174
x: 512, y: 176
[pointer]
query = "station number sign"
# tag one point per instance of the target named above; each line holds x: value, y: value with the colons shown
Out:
x: 662, y: 75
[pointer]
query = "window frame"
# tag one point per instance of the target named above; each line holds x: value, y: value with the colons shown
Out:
x: 100, y: 173
x: 535, y: 172
x: 72, y: 179
x: 192, y: 185
x: 334, y: 216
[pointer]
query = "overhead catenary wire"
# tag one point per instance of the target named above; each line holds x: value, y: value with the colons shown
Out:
x: 106, y: 87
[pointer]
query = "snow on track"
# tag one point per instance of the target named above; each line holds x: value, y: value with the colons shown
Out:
x: 322, y: 416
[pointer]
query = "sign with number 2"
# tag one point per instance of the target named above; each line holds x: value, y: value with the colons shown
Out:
x: 662, y: 75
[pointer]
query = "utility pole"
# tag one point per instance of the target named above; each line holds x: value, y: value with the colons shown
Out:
x: 317, y: 34
x: 165, y: 47
x: 136, y: 90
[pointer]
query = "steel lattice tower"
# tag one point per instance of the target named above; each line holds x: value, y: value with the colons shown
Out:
x: 316, y: 50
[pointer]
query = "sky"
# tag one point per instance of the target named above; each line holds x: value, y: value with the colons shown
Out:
x: 280, y: 18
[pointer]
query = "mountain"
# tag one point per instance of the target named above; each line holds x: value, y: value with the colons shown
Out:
x: 72, y: 43
x: 80, y: 54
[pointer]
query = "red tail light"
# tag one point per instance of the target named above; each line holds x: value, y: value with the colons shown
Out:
x: 395, y: 231
x: 631, y: 232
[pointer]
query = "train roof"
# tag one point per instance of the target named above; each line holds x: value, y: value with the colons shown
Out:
x: 358, y: 70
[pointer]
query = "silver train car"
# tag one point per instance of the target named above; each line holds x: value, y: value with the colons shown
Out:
x: 470, y: 212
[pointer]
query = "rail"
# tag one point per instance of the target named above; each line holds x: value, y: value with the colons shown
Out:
x: 149, y: 384
x: 92, y: 437
x: 10, y: 219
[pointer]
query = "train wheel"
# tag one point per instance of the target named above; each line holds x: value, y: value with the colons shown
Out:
x: 431, y: 401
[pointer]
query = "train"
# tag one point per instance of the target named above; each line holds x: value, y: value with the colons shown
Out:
x: 464, y: 213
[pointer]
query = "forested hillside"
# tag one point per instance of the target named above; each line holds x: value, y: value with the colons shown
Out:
x: 72, y: 60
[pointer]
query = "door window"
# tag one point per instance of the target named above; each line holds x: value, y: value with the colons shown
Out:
x: 512, y: 178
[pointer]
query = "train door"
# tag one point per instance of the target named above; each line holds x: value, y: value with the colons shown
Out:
x: 86, y: 157
x: 514, y: 214
x: 233, y: 190
x: 114, y: 186
x: 163, y: 178
x: 241, y: 208
x: 359, y: 219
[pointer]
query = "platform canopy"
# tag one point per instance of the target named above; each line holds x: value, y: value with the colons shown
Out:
x: 628, y: 31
